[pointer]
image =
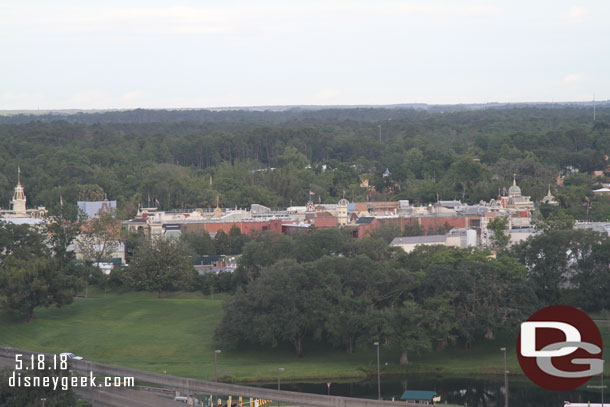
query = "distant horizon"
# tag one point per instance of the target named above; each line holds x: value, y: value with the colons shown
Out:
x: 315, y: 106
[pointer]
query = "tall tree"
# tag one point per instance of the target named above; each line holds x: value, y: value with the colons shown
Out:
x: 416, y: 327
x: 100, y: 237
x: 499, y: 239
x: 161, y: 265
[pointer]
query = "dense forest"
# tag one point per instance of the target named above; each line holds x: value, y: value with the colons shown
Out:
x: 185, y: 159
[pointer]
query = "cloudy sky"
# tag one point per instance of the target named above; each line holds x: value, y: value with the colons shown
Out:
x: 125, y: 54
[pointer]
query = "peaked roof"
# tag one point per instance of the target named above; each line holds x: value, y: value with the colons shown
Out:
x: 92, y: 208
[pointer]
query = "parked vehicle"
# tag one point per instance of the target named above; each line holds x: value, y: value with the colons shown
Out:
x: 71, y: 356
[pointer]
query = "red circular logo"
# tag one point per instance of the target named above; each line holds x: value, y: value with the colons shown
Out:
x: 560, y: 348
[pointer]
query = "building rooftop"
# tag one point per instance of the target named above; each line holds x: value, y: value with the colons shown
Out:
x: 365, y: 220
x: 92, y: 208
x: 450, y: 204
x: 418, y: 239
x: 22, y: 221
x: 418, y: 395
x: 603, y: 227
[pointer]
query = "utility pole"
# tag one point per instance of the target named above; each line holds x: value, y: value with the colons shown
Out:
x: 378, y: 373
x: 505, y: 379
x: 602, y: 386
x: 279, y: 370
x: 216, y: 352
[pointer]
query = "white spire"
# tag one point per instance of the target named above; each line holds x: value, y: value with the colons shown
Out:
x: 19, y: 201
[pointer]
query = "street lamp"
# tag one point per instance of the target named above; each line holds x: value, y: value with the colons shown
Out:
x: 216, y: 352
x: 279, y: 370
x: 379, y: 126
x: 378, y: 374
x: 602, y: 386
x: 505, y: 379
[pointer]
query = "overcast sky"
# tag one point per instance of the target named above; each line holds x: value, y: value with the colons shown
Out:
x: 119, y: 54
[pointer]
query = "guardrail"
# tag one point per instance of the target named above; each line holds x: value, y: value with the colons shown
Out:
x: 110, y: 396
x: 195, y: 386
x: 123, y: 397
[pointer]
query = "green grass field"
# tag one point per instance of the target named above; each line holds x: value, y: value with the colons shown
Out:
x: 174, y: 334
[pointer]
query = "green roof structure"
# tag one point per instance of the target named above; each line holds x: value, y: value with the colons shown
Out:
x: 419, y: 395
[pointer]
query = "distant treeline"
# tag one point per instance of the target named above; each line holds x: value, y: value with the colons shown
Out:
x: 177, y: 159
x: 278, y: 113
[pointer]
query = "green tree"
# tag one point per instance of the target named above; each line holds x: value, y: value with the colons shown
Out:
x: 161, y: 265
x: 415, y: 327
x: 222, y: 243
x: 498, y: 239
x: 62, y: 228
x: 200, y: 243
x: 553, y: 258
x: 99, y: 238
x: 555, y: 220
x: 39, y: 281
x: 464, y: 175
x: 592, y: 281
x: 265, y: 250
x: 285, y: 304
x: 487, y: 295
x: 237, y: 240
x: 346, y: 320
x: 90, y: 192
x: 292, y: 158
x: 30, y: 275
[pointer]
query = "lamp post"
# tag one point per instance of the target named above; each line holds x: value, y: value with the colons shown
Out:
x: 379, y: 126
x: 216, y: 352
x: 602, y: 386
x: 279, y: 370
x: 378, y: 374
x: 505, y: 379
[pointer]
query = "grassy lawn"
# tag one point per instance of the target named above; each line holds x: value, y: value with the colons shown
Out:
x: 174, y: 334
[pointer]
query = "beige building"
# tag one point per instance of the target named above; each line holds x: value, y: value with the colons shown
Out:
x: 458, y: 237
x: 18, y: 204
x: 516, y: 201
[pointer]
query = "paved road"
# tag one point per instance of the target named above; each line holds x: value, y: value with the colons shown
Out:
x: 194, y: 386
x: 113, y: 396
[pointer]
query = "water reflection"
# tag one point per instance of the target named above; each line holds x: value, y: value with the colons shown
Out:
x: 470, y: 391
